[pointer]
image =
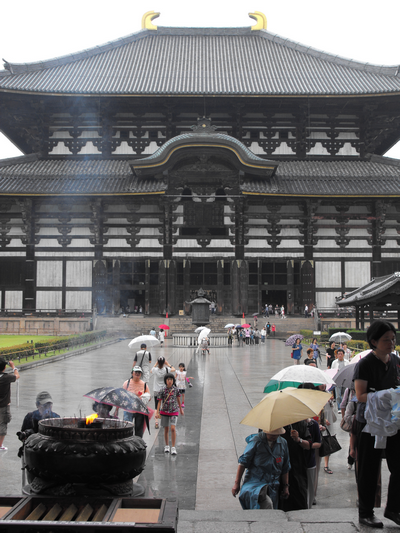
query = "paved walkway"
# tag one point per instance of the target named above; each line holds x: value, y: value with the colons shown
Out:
x: 228, y: 382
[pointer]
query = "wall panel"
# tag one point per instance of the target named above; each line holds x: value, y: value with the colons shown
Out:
x: 49, y: 274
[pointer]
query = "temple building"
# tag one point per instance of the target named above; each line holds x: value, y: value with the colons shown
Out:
x: 230, y: 159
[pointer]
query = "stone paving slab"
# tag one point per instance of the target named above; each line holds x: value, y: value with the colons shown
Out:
x: 229, y: 382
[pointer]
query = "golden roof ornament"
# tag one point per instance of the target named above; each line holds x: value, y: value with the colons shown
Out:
x: 261, y: 20
x: 147, y: 18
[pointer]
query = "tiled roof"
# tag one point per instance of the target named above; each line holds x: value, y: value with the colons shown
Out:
x: 30, y: 175
x: 338, y: 178
x: 201, y: 61
x: 370, y: 291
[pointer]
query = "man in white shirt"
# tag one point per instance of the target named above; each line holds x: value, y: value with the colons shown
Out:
x: 338, y: 364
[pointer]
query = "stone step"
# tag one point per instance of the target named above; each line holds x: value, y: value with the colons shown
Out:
x: 134, y: 325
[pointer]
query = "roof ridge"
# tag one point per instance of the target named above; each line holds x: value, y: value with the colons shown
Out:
x: 31, y: 158
x: 20, y: 68
x: 374, y: 158
x: 385, y: 70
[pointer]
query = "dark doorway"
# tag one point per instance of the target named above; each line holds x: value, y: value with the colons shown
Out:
x: 133, y: 299
x: 274, y: 298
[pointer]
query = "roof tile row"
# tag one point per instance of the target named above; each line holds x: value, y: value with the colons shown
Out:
x: 105, y: 177
x: 197, y: 62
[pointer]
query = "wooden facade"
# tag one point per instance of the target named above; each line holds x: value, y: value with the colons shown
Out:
x: 142, y: 199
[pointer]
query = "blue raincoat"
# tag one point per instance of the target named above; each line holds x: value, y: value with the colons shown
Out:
x: 265, y: 466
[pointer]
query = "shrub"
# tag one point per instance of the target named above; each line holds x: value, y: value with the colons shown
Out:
x: 19, y: 348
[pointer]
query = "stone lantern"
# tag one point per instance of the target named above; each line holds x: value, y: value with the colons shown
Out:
x: 200, y: 309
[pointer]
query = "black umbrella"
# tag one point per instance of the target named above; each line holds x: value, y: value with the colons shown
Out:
x: 118, y: 397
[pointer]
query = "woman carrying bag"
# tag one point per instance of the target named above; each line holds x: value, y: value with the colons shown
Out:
x: 297, y: 352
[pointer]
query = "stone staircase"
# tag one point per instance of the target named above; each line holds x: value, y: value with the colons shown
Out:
x: 135, y: 324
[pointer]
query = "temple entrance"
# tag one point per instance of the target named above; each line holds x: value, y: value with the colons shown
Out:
x: 274, y: 298
x: 131, y: 301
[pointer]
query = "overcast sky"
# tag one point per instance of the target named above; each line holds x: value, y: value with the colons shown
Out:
x: 31, y: 31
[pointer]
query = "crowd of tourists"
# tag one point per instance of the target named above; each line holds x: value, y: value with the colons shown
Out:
x: 281, y: 467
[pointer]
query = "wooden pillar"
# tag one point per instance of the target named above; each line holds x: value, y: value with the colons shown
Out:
x: 99, y: 285
x: 307, y: 284
x: 172, y: 302
x: 167, y: 229
x: 116, y: 290
x: 357, y: 317
x: 362, y: 318
x: 239, y: 229
x: 290, y: 287
x: 220, y: 286
x: 378, y: 219
x: 186, y: 285
x: 147, y: 287
x: 162, y: 287
x: 244, y: 287
x: 28, y: 220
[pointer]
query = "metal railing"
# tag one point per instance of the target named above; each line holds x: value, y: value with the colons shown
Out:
x: 45, y: 351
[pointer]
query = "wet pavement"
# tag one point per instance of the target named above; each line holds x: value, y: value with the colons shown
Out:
x: 227, y: 383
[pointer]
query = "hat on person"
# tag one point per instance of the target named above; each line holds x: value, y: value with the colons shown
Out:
x: 43, y: 397
x: 279, y: 431
x: 137, y: 368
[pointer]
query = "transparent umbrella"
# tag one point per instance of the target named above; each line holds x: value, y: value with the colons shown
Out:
x: 148, y: 340
x: 340, y: 336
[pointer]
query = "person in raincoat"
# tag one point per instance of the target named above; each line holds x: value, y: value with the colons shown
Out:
x: 266, y: 459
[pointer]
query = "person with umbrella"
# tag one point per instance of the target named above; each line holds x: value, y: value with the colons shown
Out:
x: 377, y: 371
x: 143, y: 359
x: 267, y: 464
x: 140, y: 388
x: 161, y: 337
x: 297, y: 351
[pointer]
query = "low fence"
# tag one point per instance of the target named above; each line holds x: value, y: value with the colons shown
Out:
x: 45, y: 351
x: 185, y: 340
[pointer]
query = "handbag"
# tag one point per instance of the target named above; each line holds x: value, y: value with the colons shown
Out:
x: 346, y: 424
x: 291, y: 355
x: 329, y: 445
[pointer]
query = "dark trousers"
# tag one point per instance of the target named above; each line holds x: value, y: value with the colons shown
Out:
x: 138, y: 420
x: 369, y: 460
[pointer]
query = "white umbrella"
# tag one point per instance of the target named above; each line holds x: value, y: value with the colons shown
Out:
x: 340, y: 336
x: 200, y: 328
x: 204, y: 333
x: 148, y: 340
x: 229, y: 326
x: 303, y: 374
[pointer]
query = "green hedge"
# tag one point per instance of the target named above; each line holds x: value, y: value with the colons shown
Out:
x: 309, y: 334
x: 28, y: 349
x: 70, y: 341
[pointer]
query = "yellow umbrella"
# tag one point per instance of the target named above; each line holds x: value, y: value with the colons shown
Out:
x: 284, y: 407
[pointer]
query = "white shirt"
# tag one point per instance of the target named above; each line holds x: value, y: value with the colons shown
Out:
x: 338, y: 366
